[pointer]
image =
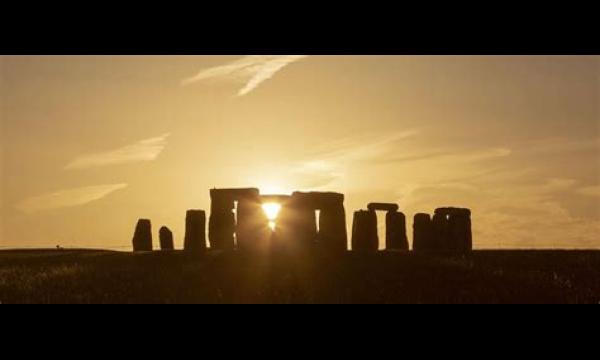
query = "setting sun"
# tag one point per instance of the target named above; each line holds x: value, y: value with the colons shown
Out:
x: 271, y: 210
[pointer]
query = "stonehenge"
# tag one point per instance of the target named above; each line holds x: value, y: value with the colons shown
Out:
x: 308, y: 221
x: 142, y: 237
x: 364, y: 229
x: 165, y: 236
x: 195, y: 235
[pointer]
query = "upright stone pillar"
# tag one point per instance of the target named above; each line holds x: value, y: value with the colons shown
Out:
x: 460, y: 229
x: 142, y: 237
x: 252, y: 230
x: 452, y: 227
x: 395, y: 231
x: 195, y: 231
x: 441, y: 238
x: 221, y: 225
x: 423, y: 233
x: 364, y: 231
x: 166, y: 239
x: 332, y: 229
x: 296, y: 227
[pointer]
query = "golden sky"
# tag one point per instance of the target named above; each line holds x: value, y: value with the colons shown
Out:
x: 89, y: 144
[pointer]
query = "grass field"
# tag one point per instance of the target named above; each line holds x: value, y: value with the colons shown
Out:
x: 90, y: 276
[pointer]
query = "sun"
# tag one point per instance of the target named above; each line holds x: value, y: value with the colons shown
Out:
x: 271, y: 211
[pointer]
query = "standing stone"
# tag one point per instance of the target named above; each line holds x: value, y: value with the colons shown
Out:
x: 142, y: 237
x: 441, y: 239
x: 423, y: 233
x: 395, y: 231
x: 460, y: 229
x: 452, y: 227
x: 332, y: 229
x: 252, y: 230
x: 364, y: 231
x: 195, y: 234
x: 166, y: 239
x: 296, y: 227
x: 221, y: 225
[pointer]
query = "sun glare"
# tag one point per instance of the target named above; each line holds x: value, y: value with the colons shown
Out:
x: 271, y: 210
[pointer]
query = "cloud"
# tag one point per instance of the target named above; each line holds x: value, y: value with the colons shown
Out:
x: 251, y: 69
x: 67, y: 198
x: 144, y: 150
x: 593, y: 191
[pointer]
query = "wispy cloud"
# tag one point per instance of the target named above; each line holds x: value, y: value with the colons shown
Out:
x: 593, y: 191
x: 144, y: 150
x: 253, y: 70
x: 67, y: 198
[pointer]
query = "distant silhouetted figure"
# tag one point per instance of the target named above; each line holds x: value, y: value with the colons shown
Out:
x: 166, y: 239
x: 364, y: 231
x: 142, y: 237
x: 195, y: 231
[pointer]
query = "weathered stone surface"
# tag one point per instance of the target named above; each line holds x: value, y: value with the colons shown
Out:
x: 195, y: 231
x: 142, y: 237
x: 423, y: 233
x: 364, y: 231
x: 383, y: 207
x: 165, y: 236
x: 395, y: 231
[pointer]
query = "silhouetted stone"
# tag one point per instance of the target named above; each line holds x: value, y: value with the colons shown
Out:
x: 297, y: 221
x: 222, y: 225
x: 142, y: 237
x: 364, y: 231
x: 423, y: 233
x: 332, y: 236
x: 441, y: 239
x: 383, y: 207
x: 252, y: 229
x: 452, y: 227
x: 195, y: 231
x: 165, y: 237
x: 296, y: 227
x: 395, y: 231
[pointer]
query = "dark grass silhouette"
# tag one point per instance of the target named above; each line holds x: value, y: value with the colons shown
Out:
x: 90, y: 276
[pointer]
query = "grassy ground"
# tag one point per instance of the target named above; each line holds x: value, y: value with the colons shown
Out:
x: 88, y: 276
